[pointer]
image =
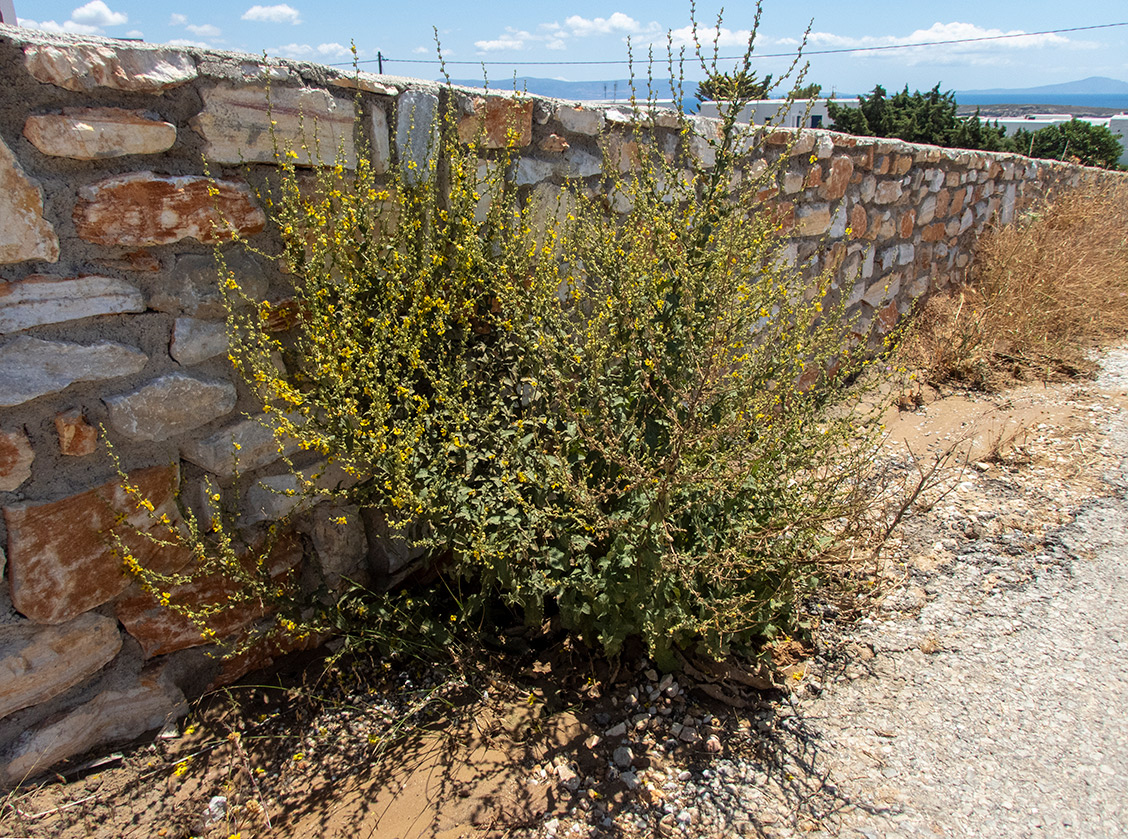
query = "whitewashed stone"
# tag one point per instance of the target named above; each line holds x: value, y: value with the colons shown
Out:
x: 40, y: 662
x: 16, y: 457
x: 98, y: 133
x: 30, y: 367
x: 79, y: 66
x: 24, y: 233
x: 170, y: 405
x: 381, y: 139
x: 111, y: 716
x: 580, y: 120
x: 236, y: 125
x: 417, y: 134
x: 39, y: 300
x: 195, y: 340
x: 239, y: 447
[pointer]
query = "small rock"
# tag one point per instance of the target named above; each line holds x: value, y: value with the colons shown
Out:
x: 617, y: 730
x: 623, y: 757
x: 567, y: 777
x: 713, y: 744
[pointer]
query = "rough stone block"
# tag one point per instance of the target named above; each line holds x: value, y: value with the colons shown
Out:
x: 61, y: 554
x: 143, y: 208
x: 195, y: 340
x: 577, y: 163
x: 239, y: 447
x: 417, y: 134
x: 245, y: 124
x: 86, y: 66
x: 580, y: 120
x: 193, y: 288
x: 500, y: 122
x: 337, y: 533
x: 97, y: 133
x: 888, y: 192
x: 161, y: 630
x: 16, y: 456
x: 859, y: 221
x: 39, y: 300
x: 381, y: 140
x: 532, y: 171
x: 933, y: 232
x: 111, y: 716
x: 170, y: 405
x: 368, y: 82
x: 813, y: 220
x: 40, y: 662
x: 24, y: 233
x: 30, y: 367
x: 841, y: 170
x: 77, y: 437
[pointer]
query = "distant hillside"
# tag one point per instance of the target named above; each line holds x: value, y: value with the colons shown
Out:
x: 1092, y: 86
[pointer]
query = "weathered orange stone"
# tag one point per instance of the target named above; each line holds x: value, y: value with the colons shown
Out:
x: 24, y: 233
x: 943, y: 202
x: 887, y: 316
x: 863, y: 158
x: 62, y: 559
x: 908, y: 222
x: 814, y: 177
x: 784, y: 216
x: 881, y: 167
x: 859, y: 221
x: 16, y: 456
x: 554, y: 143
x: 500, y: 122
x: 162, y: 630
x: 841, y: 169
x: 143, y: 208
x: 902, y: 164
x: 956, y: 207
x: 933, y: 233
x: 77, y: 437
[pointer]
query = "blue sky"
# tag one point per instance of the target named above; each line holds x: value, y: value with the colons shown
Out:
x: 508, y: 31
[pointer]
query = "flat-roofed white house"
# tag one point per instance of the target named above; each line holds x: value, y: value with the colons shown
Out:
x: 800, y: 113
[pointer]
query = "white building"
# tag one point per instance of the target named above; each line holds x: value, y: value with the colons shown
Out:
x: 800, y: 113
x: 1118, y: 125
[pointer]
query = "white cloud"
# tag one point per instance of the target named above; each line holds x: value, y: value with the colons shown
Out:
x: 204, y: 30
x: 706, y: 35
x: 134, y: 33
x: 330, y: 50
x: 177, y: 20
x: 273, y: 14
x: 188, y: 42
x: 975, y: 52
x: 618, y: 23
x: 69, y: 26
x: 85, y: 20
x: 511, y: 39
x: 97, y: 13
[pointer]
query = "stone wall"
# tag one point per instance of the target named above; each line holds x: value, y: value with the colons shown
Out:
x: 112, y: 327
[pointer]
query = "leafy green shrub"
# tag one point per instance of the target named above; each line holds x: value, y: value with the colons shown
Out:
x: 1091, y: 145
x: 621, y: 402
x: 917, y: 118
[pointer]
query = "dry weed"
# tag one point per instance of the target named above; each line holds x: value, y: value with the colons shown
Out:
x: 1044, y: 291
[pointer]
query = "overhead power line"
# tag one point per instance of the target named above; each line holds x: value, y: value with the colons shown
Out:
x: 880, y: 48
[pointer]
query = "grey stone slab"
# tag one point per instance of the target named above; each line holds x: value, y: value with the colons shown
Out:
x: 417, y: 134
x: 246, y: 123
x: 30, y: 367
x: 195, y: 340
x: 39, y: 300
x: 40, y: 662
x: 237, y: 448
x: 168, y: 406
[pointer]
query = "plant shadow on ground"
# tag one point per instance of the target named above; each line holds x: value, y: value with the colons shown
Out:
x: 488, y: 745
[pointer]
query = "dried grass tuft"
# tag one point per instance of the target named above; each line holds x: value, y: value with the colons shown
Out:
x: 1045, y: 291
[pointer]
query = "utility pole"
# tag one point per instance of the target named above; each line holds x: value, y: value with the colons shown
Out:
x: 380, y: 61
